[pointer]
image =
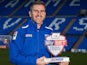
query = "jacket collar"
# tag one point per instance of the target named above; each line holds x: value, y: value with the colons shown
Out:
x: 34, y: 25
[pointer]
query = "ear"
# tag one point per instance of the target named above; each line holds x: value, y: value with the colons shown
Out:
x: 30, y: 13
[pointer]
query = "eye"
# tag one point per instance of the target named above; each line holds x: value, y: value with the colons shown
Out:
x: 43, y: 11
x: 35, y: 11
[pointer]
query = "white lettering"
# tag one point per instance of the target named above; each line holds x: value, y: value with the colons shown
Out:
x: 48, y: 2
x: 12, y: 3
x: 56, y: 22
x: 81, y: 23
x: 57, y: 2
x: 28, y: 3
x: 75, y: 3
x: 7, y: 25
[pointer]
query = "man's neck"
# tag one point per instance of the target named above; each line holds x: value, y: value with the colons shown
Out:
x: 38, y: 26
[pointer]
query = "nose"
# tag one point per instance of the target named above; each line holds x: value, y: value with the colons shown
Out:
x: 39, y: 13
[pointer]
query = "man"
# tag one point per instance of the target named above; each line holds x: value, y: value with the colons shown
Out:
x: 27, y: 46
x: 4, y: 43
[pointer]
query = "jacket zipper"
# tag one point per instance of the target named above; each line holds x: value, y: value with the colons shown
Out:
x: 38, y: 48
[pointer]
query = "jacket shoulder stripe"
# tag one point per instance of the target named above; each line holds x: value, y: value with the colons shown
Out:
x: 25, y: 26
x: 48, y: 28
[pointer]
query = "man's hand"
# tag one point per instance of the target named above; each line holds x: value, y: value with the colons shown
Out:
x: 64, y: 63
x: 40, y: 61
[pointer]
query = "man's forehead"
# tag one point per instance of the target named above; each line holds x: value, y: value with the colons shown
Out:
x: 38, y: 6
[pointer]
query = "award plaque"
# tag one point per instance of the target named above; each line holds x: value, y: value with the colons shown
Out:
x: 55, y: 44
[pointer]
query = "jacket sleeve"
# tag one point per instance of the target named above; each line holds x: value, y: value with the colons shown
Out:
x: 15, y: 51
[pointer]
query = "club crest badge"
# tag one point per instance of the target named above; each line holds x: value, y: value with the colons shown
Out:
x: 55, y: 43
x: 15, y: 35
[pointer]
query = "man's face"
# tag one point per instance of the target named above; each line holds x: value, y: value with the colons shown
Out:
x: 5, y: 41
x: 38, y: 13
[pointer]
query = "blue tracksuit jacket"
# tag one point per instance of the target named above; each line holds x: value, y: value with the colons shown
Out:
x: 28, y: 44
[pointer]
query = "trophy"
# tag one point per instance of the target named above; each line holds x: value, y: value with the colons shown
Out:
x: 55, y: 44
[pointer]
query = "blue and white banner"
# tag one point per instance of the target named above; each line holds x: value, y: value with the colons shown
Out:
x: 8, y: 24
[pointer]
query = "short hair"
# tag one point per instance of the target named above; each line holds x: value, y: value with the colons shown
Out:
x: 37, y: 3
